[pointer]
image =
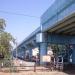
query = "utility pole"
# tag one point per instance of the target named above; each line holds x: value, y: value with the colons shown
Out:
x: 16, y: 50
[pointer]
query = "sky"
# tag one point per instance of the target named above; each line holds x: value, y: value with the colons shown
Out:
x: 22, y: 16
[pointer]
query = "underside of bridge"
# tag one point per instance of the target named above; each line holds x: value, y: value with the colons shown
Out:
x: 61, y: 37
x: 64, y: 27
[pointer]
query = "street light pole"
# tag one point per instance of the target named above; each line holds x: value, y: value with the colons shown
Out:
x: 16, y: 50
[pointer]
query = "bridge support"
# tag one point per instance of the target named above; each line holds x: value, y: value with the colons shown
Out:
x: 43, y: 51
x: 30, y: 53
x: 73, y: 55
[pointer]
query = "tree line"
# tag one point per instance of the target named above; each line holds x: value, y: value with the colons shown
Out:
x: 6, y: 40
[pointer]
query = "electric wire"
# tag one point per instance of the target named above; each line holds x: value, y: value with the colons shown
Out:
x: 13, y: 13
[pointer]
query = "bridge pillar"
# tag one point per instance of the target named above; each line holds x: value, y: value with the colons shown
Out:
x: 30, y: 53
x: 73, y: 55
x: 43, y: 51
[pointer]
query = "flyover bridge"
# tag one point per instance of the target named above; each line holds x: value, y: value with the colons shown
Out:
x: 56, y: 32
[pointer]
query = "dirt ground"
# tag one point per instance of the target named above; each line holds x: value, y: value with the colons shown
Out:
x: 36, y: 73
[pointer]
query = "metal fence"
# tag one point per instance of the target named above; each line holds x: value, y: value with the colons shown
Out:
x: 16, y: 65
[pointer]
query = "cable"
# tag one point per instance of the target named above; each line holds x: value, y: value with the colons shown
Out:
x: 13, y: 13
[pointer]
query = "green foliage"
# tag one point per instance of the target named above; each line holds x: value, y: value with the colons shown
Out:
x: 5, y: 40
x: 2, y: 24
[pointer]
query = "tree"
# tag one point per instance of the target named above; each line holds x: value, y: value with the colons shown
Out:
x: 2, y: 24
x: 5, y: 40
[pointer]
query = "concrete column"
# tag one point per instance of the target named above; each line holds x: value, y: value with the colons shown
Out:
x: 43, y: 51
x: 24, y: 54
x: 30, y: 53
x: 73, y: 55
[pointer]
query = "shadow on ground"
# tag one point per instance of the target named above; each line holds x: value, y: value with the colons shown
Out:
x: 70, y: 72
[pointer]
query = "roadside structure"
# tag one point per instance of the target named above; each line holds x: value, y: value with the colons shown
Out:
x: 56, y: 33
